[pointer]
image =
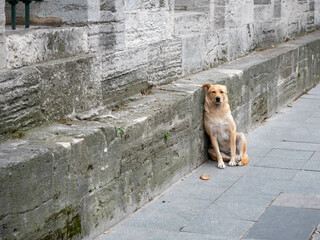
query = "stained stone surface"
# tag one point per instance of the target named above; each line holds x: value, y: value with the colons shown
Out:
x: 285, y: 223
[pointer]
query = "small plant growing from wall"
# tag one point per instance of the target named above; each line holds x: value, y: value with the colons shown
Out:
x: 166, y: 137
x: 20, y: 135
x: 120, y: 131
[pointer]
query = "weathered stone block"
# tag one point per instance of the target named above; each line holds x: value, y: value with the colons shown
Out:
x: 242, y: 117
x: 186, y: 22
x: 247, y: 12
x: 144, y: 27
x: 164, y: 61
x: 106, y: 36
x: 75, y: 88
x: 101, y: 207
x: 23, y: 47
x: 262, y: 12
x: 288, y: 64
x: 216, y: 47
x: 264, y: 34
x: 240, y: 41
x: 19, y: 99
x: 18, y: 178
x: 193, y: 54
x: 234, y: 13
x: 11, y: 227
x: 192, y: 4
x: 124, y: 74
x: 219, y: 19
x: 48, y: 92
x: 277, y: 9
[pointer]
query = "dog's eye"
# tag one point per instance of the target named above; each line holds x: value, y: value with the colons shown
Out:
x: 221, y: 91
x: 213, y: 91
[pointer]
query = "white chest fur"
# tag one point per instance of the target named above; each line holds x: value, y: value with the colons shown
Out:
x: 221, y: 130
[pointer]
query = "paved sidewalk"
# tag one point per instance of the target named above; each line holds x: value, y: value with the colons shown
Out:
x: 276, y: 197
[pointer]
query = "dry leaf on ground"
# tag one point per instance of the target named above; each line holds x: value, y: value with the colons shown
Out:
x: 204, y: 177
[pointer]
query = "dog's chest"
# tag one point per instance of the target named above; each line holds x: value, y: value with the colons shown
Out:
x: 221, y: 130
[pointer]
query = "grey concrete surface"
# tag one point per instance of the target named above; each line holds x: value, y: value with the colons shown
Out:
x: 276, y: 196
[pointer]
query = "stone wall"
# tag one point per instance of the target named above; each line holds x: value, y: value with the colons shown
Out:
x: 76, y: 178
x: 140, y: 44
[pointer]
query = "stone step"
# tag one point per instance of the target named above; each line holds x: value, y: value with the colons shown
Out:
x: 190, y: 22
x: 57, y: 89
x: 41, y: 44
x: 76, y: 178
x: 48, y: 91
x: 97, y: 172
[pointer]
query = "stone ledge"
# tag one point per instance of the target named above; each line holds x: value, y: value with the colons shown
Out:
x: 78, y: 178
x: 49, y: 91
x: 23, y: 46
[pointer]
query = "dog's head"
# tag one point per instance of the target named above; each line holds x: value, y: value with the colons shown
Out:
x: 216, y: 93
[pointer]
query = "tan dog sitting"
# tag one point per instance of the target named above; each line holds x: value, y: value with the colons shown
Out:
x: 227, y: 144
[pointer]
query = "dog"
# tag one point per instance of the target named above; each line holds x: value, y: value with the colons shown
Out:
x: 226, y: 143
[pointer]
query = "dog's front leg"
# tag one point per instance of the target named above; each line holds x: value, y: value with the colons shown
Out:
x: 215, y: 146
x: 233, y: 136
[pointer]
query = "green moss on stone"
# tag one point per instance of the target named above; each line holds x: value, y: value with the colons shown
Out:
x: 72, y: 226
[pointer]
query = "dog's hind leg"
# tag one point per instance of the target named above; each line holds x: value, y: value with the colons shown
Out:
x: 213, y: 155
x: 242, y: 157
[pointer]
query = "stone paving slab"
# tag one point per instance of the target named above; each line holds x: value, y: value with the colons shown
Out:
x: 258, y: 151
x: 197, y: 236
x: 299, y: 145
x: 313, y: 164
x: 302, y: 187
x: 285, y: 223
x: 308, y: 176
x: 276, y: 196
x: 281, y: 162
x: 290, y: 154
x: 297, y: 201
x: 139, y: 233
x: 218, y: 227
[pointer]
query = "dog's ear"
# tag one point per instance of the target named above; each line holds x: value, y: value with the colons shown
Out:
x: 225, y: 88
x: 206, y: 86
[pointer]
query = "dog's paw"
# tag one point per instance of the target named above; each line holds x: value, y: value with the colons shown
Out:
x: 232, y: 163
x: 221, y: 165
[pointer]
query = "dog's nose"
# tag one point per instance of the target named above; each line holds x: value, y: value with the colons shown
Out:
x: 217, y: 99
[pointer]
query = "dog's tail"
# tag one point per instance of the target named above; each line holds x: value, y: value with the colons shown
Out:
x: 245, y: 160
